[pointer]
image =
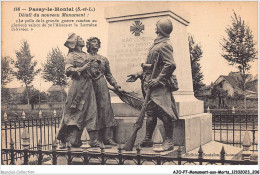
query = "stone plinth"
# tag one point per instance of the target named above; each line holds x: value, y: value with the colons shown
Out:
x: 189, y: 131
x: 131, y: 34
x: 212, y: 150
x: 193, y: 130
x: 125, y: 128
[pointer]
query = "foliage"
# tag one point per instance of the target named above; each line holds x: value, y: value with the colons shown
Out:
x: 238, y: 96
x: 221, y: 95
x: 195, y: 56
x: 213, y: 103
x: 14, y: 113
x: 54, y: 68
x: 218, y: 92
x: 244, y: 82
x: 6, y: 71
x: 25, y: 67
x: 5, y: 95
x: 239, y: 46
x: 56, y: 96
x: 34, y: 98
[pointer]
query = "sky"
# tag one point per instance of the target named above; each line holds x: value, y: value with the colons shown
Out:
x: 208, y: 21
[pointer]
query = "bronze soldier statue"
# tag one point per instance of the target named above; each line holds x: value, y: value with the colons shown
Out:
x: 161, y: 103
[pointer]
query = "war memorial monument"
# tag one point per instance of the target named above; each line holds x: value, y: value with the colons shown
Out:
x: 131, y: 34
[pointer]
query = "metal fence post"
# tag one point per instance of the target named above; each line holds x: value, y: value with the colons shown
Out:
x: 233, y: 129
x: 5, y: 117
x: 233, y: 114
x: 54, y: 113
x: 253, y: 143
x: 23, y: 115
x: 85, y: 156
x: 6, y: 143
x: 208, y: 110
x: 222, y: 155
x: 233, y: 110
x: 39, y: 147
x: 102, y: 153
x: 40, y: 127
x: 69, y: 153
x: 40, y: 114
x: 138, y: 154
x: 12, y: 151
x: 26, y: 143
x: 200, y: 155
x: 54, y: 157
x: 158, y: 158
x: 179, y: 155
x: 120, y: 154
x: 85, y: 139
x: 246, y: 147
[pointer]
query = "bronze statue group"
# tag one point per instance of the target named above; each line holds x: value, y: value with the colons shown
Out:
x: 88, y: 104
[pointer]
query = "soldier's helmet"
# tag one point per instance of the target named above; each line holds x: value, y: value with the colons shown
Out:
x: 165, y: 27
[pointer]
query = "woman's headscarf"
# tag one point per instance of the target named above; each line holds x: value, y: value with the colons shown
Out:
x: 71, y: 41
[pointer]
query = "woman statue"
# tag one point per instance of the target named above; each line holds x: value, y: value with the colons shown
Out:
x: 106, y: 118
x: 81, y: 107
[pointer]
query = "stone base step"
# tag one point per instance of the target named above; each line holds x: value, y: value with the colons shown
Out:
x: 212, y: 150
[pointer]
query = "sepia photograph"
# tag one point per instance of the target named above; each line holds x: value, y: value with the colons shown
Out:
x: 171, y: 83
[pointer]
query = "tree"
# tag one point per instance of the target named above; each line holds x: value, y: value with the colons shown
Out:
x: 5, y: 95
x: 239, y: 48
x: 6, y: 71
x: 6, y: 77
x: 195, y: 56
x: 56, y: 96
x: 35, y: 97
x: 54, y: 69
x: 219, y: 93
x: 25, y: 67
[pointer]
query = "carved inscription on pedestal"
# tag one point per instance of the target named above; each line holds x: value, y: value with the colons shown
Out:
x: 132, y: 51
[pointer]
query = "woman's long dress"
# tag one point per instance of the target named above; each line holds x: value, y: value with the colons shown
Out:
x: 105, y: 112
x: 81, y: 107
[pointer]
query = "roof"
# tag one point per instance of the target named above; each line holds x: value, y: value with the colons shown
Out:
x: 55, y: 88
x: 231, y: 80
x: 19, y: 90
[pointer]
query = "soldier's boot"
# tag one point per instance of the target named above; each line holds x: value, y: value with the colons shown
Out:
x: 93, y: 139
x: 168, y: 143
x: 151, y: 122
x: 108, y: 140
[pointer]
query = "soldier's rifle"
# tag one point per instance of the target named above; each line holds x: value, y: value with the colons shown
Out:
x: 138, y: 124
